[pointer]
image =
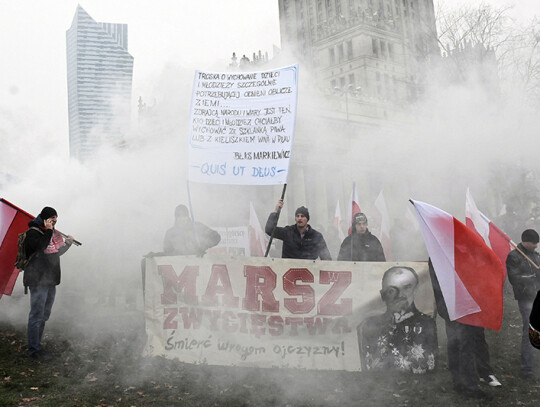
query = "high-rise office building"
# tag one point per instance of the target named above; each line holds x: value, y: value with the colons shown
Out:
x: 99, y: 76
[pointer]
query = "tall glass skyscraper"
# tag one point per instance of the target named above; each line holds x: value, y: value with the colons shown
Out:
x: 99, y: 75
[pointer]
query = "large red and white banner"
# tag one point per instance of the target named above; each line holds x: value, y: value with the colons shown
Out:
x: 264, y: 312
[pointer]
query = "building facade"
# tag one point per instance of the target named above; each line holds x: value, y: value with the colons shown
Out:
x: 99, y: 78
x: 373, y: 50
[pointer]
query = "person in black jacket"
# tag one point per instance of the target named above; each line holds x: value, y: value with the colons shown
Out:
x: 300, y: 241
x: 525, y: 279
x: 44, y: 246
x: 467, y: 350
x: 361, y: 245
x: 187, y: 237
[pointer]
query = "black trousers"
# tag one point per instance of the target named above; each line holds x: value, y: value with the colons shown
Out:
x: 468, y: 354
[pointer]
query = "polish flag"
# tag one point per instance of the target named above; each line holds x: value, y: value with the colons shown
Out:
x: 257, y: 238
x: 13, y: 221
x: 381, y: 215
x: 337, y: 222
x: 470, y: 274
x: 353, y: 208
x: 493, y: 237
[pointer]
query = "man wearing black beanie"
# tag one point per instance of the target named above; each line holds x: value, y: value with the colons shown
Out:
x: 43, y: 246
x: 300, y: 241
x: 523, y: 267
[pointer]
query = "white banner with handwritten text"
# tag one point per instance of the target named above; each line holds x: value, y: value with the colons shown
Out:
x: 242, y: 126
x: 263, y: 312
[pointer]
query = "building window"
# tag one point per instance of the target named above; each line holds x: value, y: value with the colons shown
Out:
x: 341, y: 54
x: 332, y: 55
x: 333, y: 84
x: 375, y: 46
x: 349, y: 50
x: 342, y: 83
x: 351, y: 80
x: 391, y: 51
x: 383, y: 50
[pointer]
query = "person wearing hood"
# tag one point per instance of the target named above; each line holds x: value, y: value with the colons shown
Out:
x: 361, y: 245
x: 187, y: 237
x: 43, y: 246
x: 300, y: 241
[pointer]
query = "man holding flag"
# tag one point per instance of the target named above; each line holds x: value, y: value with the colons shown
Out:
x: 524, y: 275
x: 300, y: 241
x: 43, y: 246
x: 467, y: 279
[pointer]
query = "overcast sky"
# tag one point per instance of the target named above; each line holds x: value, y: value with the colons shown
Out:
x: 197, y: 34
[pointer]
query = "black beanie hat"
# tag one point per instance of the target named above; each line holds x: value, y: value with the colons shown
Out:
x: 47, y: 213
x: 530, y: 235
x: 303, y: 210
x: 359, y: 218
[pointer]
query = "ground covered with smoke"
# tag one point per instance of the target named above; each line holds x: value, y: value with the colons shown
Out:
x: 96, y: 361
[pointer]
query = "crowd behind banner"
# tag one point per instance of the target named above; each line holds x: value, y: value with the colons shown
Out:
x: 358, y: 313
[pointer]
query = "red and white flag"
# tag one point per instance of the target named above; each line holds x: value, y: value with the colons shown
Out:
x: 353, y: 207
x: 337, y: 222
x: 13, y: 221
x: 493, y: 237
x: 470, y: 274
x: 382, y: 217
x: 257, y: 238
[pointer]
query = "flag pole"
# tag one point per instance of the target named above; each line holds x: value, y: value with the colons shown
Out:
x: 76, y: 242
x: 278, y: 212
x: 524, y: 255
x: 192, y: 215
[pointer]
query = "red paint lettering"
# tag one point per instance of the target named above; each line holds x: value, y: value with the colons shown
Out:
x: 327, y: 304
x: 187, y: 281
x: 260, y: 280
x: 275, y: 325
x: 169, y: 322
x: 294, y: 322
x: 317, y: 326
x: 308, y: 294
x: 219, y: 283
x: 191, y: 316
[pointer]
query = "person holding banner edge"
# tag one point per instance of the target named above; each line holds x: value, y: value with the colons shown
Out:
x: 300, y: 241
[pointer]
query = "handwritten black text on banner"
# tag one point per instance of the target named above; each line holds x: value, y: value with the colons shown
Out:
x: 242, y: 126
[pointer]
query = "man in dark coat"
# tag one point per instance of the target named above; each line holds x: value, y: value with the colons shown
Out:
x: 525, y: 279
x: 188, y: 237
x: 44, y: 246
x: 300, y: 241
x: 361, y: 245
x: 403, y: 338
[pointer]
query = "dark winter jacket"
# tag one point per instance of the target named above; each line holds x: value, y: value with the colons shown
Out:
x: 523, y: 276
x: 361, y: 247
x: 43, y: 269
x: 187, y: 237
x: 310, y: 247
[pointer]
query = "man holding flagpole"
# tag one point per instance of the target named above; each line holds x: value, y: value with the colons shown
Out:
x: 300, y: 241
x: 525, y: 280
